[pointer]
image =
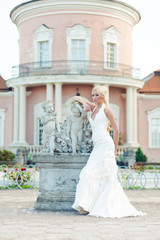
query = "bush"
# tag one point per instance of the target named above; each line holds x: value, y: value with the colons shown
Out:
x: 140, y: 156
x: 6, y: 155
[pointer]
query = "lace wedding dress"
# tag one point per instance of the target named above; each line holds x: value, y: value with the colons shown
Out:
x: 99, y: 192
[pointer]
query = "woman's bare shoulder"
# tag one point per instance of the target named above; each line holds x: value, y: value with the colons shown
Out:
x: 108, y: 111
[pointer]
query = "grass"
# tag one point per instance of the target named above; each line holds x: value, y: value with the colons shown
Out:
x: 16, y: 187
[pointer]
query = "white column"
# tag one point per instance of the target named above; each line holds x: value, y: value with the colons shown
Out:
x: 58, y: 100
x: 129, y: 115
x: 16, y: 115
x: 135, y: 117
x: 49, y: 91
x: 22, y: 117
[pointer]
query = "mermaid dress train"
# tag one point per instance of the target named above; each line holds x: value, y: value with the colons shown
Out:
x: 99, y: 192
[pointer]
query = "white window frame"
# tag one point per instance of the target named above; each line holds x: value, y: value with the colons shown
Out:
x: 78, y: 43
x: 78, y: 32
x: 42, y: 34
x: 45, y: 62
x: 112, y: 36
x: 2, y: 123
x: 108, y: 62
x: 38, y: 113
x: 155, y: 113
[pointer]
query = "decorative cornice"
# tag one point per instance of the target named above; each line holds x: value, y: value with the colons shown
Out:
x: 143, y: 96
x: 148, y: 96
x: 78, y: 79
x: 111, y: 8
x: 10, y: 94
x: 6, y: 94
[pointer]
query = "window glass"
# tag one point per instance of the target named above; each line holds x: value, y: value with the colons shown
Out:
x: 44, y: 53
x: 111, y: 55
x: 155, y: 132
x: 78, y: 49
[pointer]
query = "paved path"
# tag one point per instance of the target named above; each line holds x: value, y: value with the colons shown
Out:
x: 19, y: 220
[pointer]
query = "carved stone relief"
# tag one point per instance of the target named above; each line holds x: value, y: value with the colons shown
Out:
x: 71, y: 136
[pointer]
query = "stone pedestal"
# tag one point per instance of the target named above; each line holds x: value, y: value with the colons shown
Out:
x: 129, y: 157
x: 59, y: 176
x: 19, y: 156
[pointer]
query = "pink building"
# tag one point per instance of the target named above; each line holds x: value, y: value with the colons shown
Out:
x: 69, y: 45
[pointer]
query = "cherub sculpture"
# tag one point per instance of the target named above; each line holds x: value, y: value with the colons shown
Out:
x: 75, y: 124
x: 50, y: 125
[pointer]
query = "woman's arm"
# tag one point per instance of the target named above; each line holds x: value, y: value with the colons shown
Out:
x: 86, y: 104
x: 114, y: 125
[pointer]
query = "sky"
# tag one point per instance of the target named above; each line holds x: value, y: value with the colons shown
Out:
x: 145, y: 37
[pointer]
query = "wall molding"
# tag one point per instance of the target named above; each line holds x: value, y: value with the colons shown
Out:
x: 79, y: 79
x: 119, y: 10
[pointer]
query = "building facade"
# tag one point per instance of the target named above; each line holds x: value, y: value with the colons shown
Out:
x: 69, y: 46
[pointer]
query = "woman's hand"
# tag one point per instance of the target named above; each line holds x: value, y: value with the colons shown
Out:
x: 77, y: 98
x: 86, y: 104
x: 87, y: 107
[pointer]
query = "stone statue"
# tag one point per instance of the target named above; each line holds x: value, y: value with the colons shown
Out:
x: 63, y: 141
x: 71, y: 136
x: 50, y: 126
x: 75, y: 125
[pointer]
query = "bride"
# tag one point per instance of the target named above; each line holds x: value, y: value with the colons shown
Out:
x: 99, y: 192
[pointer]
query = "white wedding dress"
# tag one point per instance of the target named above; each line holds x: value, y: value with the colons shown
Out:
x: 99, y: 192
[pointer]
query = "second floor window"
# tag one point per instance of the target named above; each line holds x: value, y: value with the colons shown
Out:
x: 111, y: 48
x: 111, y: 43
x: 78, y: 50
x: 44, y: 53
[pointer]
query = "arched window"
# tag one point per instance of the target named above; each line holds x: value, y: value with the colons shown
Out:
x: 154, y: 128
x: 43, y: 38
x: 78, y: 40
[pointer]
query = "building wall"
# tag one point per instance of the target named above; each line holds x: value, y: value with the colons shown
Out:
x: 115, y: 97
x: 38, y: 95
x: 60, y: 22
x: 70, y: 90
x: 6, y: 103
x: 145, y: 105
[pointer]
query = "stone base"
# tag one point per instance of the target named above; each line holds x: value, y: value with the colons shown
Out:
x: 59, y: 176
x: 54, y: 204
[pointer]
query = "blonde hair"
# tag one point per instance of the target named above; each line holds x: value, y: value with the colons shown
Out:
x: 102, y: 92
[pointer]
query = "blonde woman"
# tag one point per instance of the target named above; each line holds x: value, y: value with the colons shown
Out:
x: 99, y: 192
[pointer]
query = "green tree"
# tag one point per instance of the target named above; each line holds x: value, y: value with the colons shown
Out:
x: 140, y: 156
